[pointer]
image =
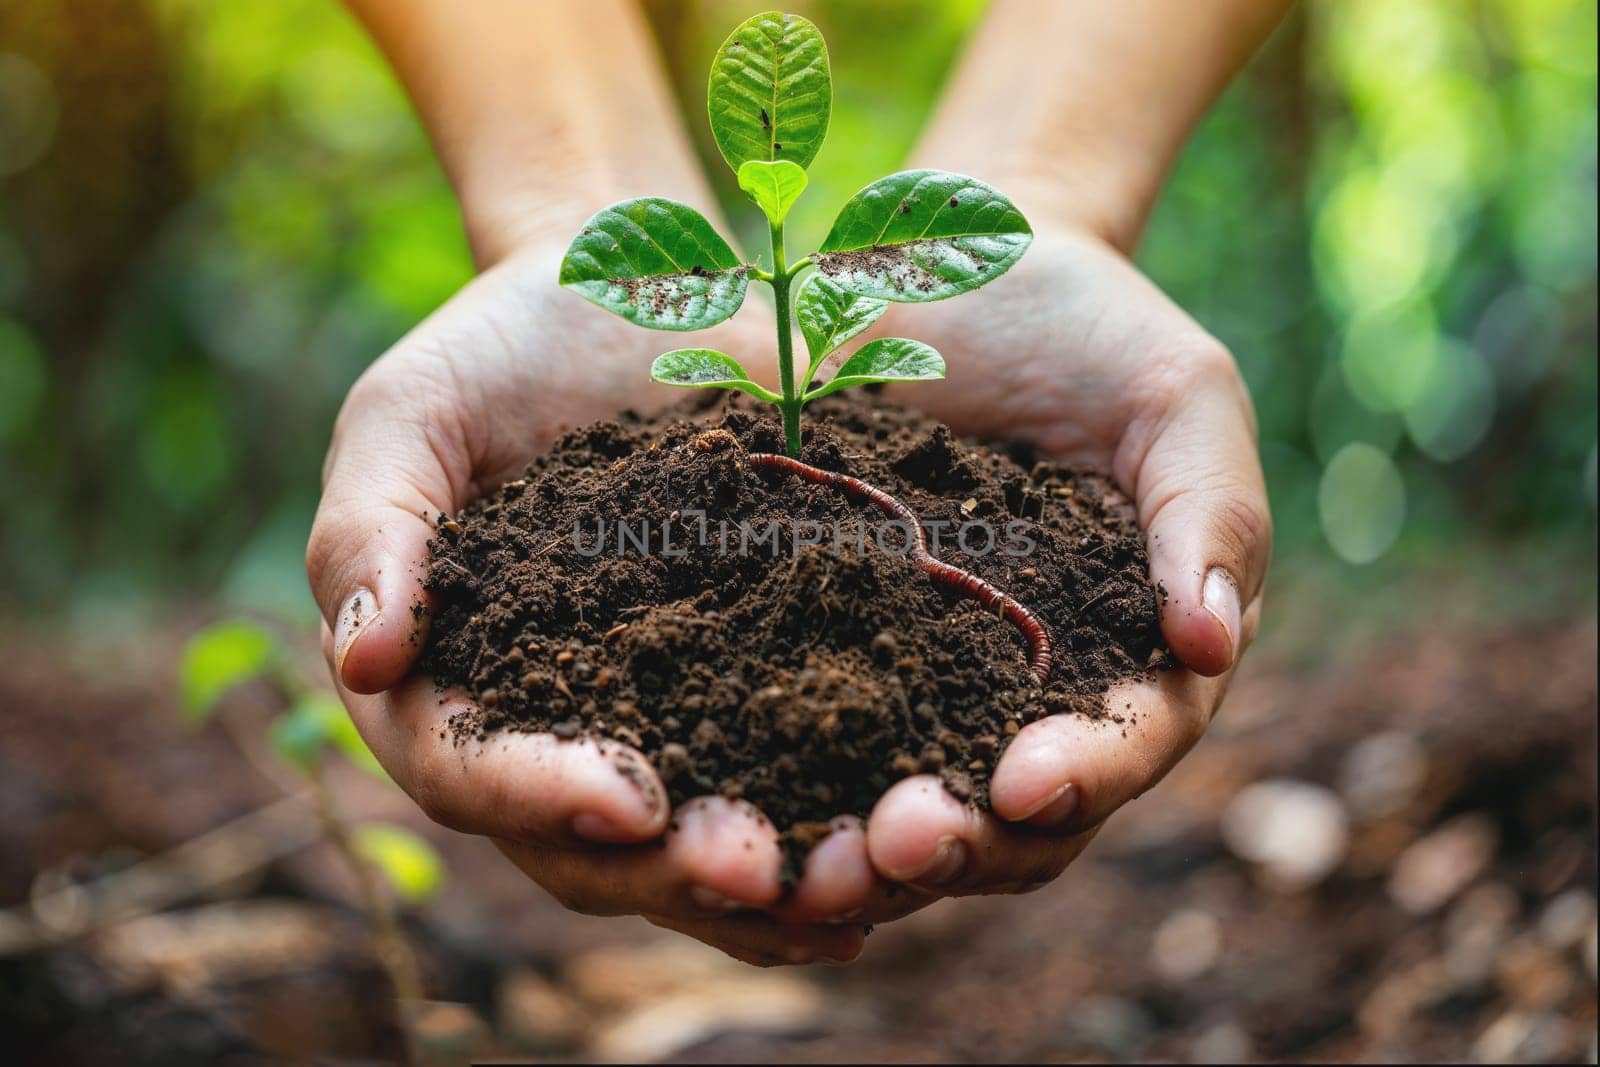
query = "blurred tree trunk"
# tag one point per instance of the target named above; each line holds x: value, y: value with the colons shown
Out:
x: 108, y: 180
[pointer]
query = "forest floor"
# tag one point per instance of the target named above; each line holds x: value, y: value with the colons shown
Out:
x: 1387, y: 854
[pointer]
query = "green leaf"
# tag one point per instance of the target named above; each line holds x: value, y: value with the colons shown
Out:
x: 829, y: 316
x: 409, y: 863
x: 221, y: 657
x: 923, y: 235
x: 318, y: 721
x: 888, y: 359
x: 657, y: 263
x: 770, y: 94
x: 773, y: 186
x: 706, y: 368
x: 298, y: 738
x: 347, y: 739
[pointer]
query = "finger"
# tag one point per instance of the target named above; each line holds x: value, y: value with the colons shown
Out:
x: 395, y: 461
x: 920, y: 834
x: 521, y: 786
x: 837, y: 881
x: 1203, y: 505
x: 728, y: 853
x: 1065, y: 773
x: 839, y: 885
x: 764, y: 942
x: 719, y: 857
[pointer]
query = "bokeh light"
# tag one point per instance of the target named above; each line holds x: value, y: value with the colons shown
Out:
x: 1391, y: 355
x: 23, y: 379
x: 1389, y: 220
x: 1453, y: 410
x: 1362, y: 503
x: 28, y: 113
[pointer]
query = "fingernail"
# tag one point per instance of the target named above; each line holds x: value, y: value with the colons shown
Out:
x: 713, y: 901
x: 947, y: 864
x: 1054, y: 809
x: 830, y: 961
x: 355, y: 615
x: 849, y: 918
x: 1221, y: 598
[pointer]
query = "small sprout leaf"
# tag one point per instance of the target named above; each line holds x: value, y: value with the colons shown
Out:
x: 657, y: 263
x: 829, y: 316
x: 888, y: 359
x: 221, y: 657
x: 347, y: 739
x: 915, y: 236
x: 705, y: 368
x: 773, y: 186
x: 923, y: 235
x: 771, y: 94
x: 314, y: 723
x: 299, y: 738
x: 409, y: 863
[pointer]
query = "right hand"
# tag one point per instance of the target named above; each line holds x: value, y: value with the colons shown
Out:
x: 456, y: 408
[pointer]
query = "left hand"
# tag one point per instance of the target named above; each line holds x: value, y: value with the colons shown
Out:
x: 457, y: 406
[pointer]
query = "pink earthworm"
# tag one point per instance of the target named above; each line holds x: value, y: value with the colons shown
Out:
x: 952, y: 577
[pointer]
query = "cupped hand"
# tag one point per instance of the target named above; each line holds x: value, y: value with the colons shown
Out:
x: 1076, y: 351
x: 454, y: 409
x: 1073, y: 349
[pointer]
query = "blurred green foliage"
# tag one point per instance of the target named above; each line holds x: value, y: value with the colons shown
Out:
x: 235, y: 652
x: 221, y: 657
x: 410, y: 864
x: 310, y: 725
x: 214, y: 215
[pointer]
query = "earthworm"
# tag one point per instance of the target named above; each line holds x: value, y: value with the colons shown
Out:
x: 964, y: 583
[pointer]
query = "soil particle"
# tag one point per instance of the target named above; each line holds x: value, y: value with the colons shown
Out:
x: 805, y: 679
x: 896, y: 263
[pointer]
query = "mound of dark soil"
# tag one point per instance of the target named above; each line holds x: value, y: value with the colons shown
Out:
x: 761, y: 637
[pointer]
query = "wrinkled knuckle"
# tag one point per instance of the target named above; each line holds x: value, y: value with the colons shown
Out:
x: 1190, y: 364
x: 1207, y: 360
x: 319, y: 550
x: 402, y: 391
x: 1243, y: 524
x: 375, y: 390
x: 328, y: 535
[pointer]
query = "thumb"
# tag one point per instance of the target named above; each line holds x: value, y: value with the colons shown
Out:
x: 391, y: 467
x: 1203, y: 504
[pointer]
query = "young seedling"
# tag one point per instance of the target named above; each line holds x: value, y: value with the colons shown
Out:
x: 961, y: 582
x: 914, y: 236
x: 310, y: 726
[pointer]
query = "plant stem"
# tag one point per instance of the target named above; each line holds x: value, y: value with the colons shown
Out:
x: 782, y: 276
x: 393, y: 949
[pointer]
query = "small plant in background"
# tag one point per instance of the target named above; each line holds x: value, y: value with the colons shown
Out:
x: 914, y: 236
x: 313, y: 725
